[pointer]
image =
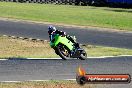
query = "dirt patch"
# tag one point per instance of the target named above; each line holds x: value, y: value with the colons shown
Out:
x: 48, y: 84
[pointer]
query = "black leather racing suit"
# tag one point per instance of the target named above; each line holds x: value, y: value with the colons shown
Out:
x: 61, y: 33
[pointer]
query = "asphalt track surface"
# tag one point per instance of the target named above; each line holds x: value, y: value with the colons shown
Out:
x: 84, y: 36
x: 23, y: 69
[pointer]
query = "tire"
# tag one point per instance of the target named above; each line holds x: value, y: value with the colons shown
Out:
x: 56, y: 51
x: 81, y: 80
x: 83, y: 56
x: 59, y: 52
x: 95, y: 2
x: 77, y: 2
x: 84, y: 2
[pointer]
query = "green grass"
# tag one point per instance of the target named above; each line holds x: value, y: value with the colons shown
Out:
x: 95, y: 51
x: 74, y: 15
x: 28, y: 49
x: 45, y: 84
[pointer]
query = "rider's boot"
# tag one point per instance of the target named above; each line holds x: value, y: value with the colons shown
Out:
x: 76, y: 45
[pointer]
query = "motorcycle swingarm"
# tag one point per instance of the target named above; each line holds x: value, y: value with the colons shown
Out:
x: 77, y: 53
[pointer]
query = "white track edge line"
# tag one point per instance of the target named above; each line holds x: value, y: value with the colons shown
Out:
x: 37, y: 80
x: 60, y: 58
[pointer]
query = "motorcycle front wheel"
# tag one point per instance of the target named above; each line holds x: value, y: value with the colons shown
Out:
x: 63, y: 52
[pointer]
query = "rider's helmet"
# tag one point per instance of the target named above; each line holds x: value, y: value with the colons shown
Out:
x: 51, y: 29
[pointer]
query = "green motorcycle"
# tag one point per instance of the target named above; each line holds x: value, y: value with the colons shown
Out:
x: 66, y: 49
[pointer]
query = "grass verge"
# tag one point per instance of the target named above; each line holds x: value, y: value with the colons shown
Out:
x: 45, y: 84
x: 24, y: 49
x: 74, y: 15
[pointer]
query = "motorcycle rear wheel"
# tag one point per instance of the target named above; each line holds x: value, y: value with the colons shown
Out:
x: 83, y: 56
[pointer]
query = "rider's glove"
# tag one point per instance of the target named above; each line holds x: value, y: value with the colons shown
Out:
x: 65, y: 33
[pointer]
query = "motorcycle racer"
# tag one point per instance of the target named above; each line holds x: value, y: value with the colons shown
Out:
x: 64, y: 45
